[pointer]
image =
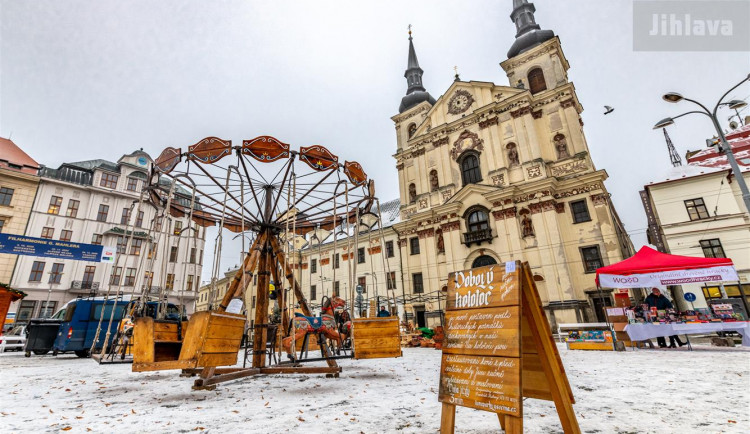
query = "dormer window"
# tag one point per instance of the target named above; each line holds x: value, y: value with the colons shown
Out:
x: 109, y: 180
x: 132, y: 184
x: 536, y: 80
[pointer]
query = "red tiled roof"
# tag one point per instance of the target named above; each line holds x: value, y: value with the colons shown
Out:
x: 12, y: 157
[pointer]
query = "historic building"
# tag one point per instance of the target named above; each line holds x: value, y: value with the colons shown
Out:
x: 18, y: 185
x: 492, y: 173
x: 98, y: 202
x: 698, y: 211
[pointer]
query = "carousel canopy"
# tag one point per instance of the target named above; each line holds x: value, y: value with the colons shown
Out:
x: 651, y: 268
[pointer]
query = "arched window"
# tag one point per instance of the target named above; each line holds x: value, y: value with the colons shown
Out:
x: 412, y: 129
x: 536, y: 80
x: 482, y: 261
x: 470, y: 173
x: 477, y: 220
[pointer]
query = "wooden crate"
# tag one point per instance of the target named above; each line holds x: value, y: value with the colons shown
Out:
x: 376, y: 338
x: 208, y: 339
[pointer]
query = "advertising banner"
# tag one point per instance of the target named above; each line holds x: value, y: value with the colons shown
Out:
x: 46, y: 248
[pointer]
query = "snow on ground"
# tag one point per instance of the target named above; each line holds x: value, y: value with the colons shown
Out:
x: 645, y: 391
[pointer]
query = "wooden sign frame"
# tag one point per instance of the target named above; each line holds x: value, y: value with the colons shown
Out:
x: 540, y: 373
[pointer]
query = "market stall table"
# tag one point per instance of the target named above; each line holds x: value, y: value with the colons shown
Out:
x: 642, y: 332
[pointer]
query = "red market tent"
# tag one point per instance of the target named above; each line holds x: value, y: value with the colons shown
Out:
x: 649, y: 268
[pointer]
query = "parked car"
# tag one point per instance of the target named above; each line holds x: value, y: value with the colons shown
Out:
x: 14, y: 340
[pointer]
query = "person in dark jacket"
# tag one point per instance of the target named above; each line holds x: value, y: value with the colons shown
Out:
x: 383, y: 312
x: 660, y: 302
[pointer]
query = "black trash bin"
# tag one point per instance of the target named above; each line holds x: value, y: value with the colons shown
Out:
x: 41, y: 334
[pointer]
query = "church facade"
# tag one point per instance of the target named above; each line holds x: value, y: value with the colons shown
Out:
x: 492, y: 173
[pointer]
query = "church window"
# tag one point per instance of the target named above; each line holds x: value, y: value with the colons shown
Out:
x: 477, y: 220
x: 482, y: 261
x: 536, y: 80
x: 470, y: 173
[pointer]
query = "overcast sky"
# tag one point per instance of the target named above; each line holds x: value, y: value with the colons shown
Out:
x: 97, y: 79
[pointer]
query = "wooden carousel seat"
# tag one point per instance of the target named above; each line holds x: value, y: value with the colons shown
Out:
x: 376, y: 338
x: 209, y: 339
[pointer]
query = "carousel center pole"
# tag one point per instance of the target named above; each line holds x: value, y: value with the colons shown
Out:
x: 261, y: 304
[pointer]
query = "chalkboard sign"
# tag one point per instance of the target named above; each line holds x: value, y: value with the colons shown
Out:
x: 498, y: 349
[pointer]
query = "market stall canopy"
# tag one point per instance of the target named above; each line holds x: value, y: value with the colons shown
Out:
x: 649, y: 268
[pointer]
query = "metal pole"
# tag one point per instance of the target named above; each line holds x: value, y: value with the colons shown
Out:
x: 733, y: 164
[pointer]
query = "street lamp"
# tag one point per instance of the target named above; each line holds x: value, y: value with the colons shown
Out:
x: 674, y: 97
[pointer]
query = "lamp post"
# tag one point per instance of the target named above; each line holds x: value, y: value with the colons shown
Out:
x: 674, y: 97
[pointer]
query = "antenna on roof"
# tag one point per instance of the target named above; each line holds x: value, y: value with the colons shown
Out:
x: 673, y: 155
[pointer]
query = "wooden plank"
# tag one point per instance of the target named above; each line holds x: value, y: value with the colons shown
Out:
x: 483, y: 332
x: 163, y: 366
x: 533, y: 378
x: 211, y: 345
x: 485, y: 383
x: 562, y: 394
x: 225, y: 332
x: 143, y: 341
x: 193, y: 336
x: 217, y: 359
x: 591, y: 346
x: 377, y: 354
x: 166, y: 336
x: 488, y: 286
x: 513, y: 425
x: 261, y: 304
x: 301, y: 370
x: 223, y: 377
x: 378, y: 343
x: 363, y: 333
x: 448, y: 419
x: 161, y: 326
x: 223, y: 319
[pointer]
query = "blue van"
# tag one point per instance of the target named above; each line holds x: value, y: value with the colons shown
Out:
x: 80, y: 319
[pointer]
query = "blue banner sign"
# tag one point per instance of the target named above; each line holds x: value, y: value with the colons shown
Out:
x: 30, y: 246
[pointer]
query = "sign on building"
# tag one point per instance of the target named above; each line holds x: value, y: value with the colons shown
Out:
x: 46, y: 248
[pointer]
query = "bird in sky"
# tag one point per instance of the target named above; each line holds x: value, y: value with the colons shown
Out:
x: 608, y: 109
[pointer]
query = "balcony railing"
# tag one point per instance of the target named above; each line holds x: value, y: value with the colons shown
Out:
x: 478, y: 236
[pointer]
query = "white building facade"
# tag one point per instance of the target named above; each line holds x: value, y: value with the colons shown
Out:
x: 98, y: 202
x: 698, y: 211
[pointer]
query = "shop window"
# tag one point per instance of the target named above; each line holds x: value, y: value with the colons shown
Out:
x: 580, y: 211
x: 47, y: 308
x: 712, y: 248
x: 25, y: 310
x: 536, y: 81
x: 696, y: 209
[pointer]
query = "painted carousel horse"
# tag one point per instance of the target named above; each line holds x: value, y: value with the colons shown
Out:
x: 319, y: 325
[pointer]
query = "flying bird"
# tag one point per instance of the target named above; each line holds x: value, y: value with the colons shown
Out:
x: 608, y: 109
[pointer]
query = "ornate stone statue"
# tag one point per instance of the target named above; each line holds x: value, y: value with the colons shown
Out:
x: 434, y: 181
x: 412, y: 193
x: 440, y: 243
x: 527, y: 227
x: 561, y: 145
x: 513, y: 155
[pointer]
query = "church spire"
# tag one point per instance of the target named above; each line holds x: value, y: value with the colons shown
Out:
x: 415, y: 91
x: 528, y: 32
x: 413, y: 72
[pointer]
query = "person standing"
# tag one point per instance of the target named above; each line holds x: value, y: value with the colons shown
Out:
x: 383, y: 313
x: 660, y: 302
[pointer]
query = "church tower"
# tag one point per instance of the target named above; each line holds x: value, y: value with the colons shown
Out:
x: 492, y: 173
